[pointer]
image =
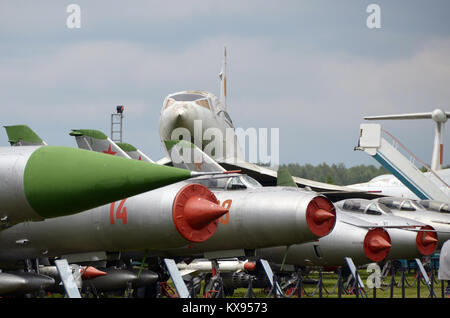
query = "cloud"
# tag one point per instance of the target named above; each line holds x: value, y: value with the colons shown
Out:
x: 316, y: 95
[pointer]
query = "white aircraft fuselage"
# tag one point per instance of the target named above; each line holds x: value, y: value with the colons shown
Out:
x: 200, y: 114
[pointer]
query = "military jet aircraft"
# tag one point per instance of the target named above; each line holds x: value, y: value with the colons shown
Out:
x: 374, y: 241
x: 364, y: 231
x: 259, y: 216
x: 414, y: 210
x: 40, y: 181
x: 194, y: 220
x: 181, y: 214
x: 389, y: 185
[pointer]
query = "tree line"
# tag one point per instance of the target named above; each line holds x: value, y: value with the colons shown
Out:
x: 336, y: 173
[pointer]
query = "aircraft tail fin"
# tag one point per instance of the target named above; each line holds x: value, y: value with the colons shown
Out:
x: 284, y: 178
x: 96, y: 140
x: 22, y: 135
x: 223, y: 79
x: 133, y: 152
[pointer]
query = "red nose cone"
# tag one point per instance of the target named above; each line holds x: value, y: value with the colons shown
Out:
x: 199, y: 212
x: 377, y: 244
x: 249, y: 266
x: 320, y: 216
x: 196, y: 212
x: 426, y: 240
x: 90, y: 272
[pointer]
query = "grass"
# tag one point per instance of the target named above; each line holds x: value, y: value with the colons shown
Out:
x: 330, y: 280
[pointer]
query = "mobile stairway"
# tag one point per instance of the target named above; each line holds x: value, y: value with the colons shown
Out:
x: 427, y: 186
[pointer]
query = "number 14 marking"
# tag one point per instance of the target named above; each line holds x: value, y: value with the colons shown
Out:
x: 121, y: 212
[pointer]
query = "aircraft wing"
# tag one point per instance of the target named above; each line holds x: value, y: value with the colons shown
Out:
x: 355, y: 220
x: 268, y: 177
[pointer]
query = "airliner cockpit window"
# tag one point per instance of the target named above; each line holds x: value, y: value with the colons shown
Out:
x: 197, y: 98
x: 187, y: 97
x: 169, y: 102
x: 228, y: 117
x: 203, y: 102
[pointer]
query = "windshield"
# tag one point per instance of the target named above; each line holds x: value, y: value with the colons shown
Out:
x: 251, y: 182
x: 381, y: 208
x: 235, y: 183
x: 242, y: 182
x: 365, y: 206
x: 187, y: 97
x: 353, y: 206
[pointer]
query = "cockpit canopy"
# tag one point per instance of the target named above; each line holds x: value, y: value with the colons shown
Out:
x: 401, y: 204
x: 436, y: 206
x: 242, y: 182
x: 364, y: 206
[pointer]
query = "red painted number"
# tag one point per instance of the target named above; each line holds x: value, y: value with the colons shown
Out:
x: 121, y: 212
x: 224, y: 219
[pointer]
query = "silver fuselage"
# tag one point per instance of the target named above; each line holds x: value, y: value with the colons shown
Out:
x: 257, y: 217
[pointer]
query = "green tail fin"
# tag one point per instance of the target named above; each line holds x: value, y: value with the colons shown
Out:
x: 284, y: 179
x: 22, y: 135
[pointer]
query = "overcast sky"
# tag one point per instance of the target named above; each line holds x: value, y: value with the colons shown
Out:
x: 313, y: 68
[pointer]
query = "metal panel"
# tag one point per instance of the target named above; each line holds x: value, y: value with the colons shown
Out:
x: 177, y: 280
x: 269, y: 274
x: 352, y: 268
x: 67, y: 278
x: 370, y: 135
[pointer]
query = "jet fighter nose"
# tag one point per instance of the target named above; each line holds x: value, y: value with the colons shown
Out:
x: 377, y: 244
x: 196, y: 212
x: 320, y: 216
x: 426, y: 240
